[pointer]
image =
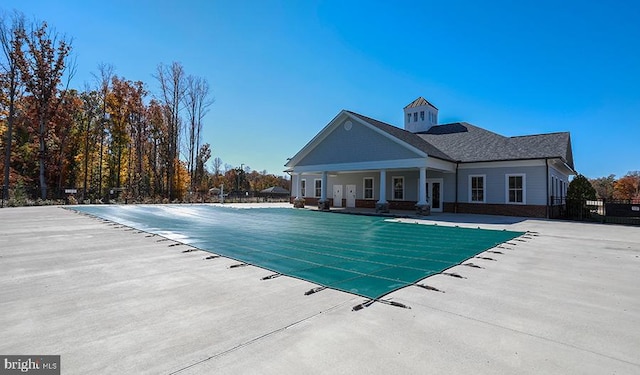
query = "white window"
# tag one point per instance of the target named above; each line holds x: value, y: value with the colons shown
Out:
x: 477, y: 192
x: 421, y: 115
x: 368, y: 188
x: 318, y: 187
x: 415, y: 116
x: 303, y: 188
x: 408, y: 117
x: 516, y: 191
x: 398, y: 188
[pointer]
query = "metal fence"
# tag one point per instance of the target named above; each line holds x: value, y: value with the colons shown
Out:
x: 599, y: 210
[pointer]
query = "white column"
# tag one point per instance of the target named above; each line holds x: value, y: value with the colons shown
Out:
x: 297, y: 177
x: 422, y: 188
x: 383, y: 187
x: 323, y: 193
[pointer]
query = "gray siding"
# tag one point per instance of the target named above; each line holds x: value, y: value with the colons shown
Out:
x: 360, y: 144
x: 561, y: 182
x: 496, y: 183
x: 411, y: 179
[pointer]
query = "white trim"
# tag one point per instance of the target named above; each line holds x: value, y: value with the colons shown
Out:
x: 393, y: 188
x: 315, y: 189
x: 373, y: 165
x: 503, y: 164
x: 484, y: 188
x: 524, y: 187
x: 364, y: 188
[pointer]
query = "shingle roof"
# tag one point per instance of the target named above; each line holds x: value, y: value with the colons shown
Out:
x: 464, y: 142
x: 468, y: 143
x: 419, y: 102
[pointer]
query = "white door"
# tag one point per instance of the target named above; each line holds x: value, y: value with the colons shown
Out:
x: 435, y: 193
x: 351, y: 195
x: 337, y: 195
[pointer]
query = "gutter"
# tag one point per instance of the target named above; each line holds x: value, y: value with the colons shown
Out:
x: 546, y: 162
x: 455, y: 206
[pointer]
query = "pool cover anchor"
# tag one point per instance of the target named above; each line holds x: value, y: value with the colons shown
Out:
x: 472, y: 265
x: 429, y: 287
x: 485, y: 258
x: 238, y: 265
x: 273, y: 276
x: 314, y: 290
x: 384, y: 301
x: 453, y: 275
x: 211, y: 257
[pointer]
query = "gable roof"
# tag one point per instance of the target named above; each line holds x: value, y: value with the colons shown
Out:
x: 405, y: 136
x: 419, y: 102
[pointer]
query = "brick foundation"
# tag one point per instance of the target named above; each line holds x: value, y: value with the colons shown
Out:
x: 498, y: 209
x: 463, y: 208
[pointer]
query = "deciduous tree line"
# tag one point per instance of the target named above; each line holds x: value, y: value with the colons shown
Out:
x: 624, y: 188
x: 111, y: 138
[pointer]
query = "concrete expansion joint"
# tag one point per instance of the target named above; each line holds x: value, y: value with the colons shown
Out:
x: 530, y: 334
x: 260, y: 338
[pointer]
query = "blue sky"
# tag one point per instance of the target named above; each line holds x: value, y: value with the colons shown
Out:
x: 281, y: 70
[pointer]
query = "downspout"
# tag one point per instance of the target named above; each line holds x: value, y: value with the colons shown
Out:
x: 455, y: 206
x: 546, y: 162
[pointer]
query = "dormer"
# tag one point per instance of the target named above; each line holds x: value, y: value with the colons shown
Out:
x: 420, y: 116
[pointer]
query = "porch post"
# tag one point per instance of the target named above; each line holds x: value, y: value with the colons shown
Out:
x: 323, y: 203
x: 382, y: 205
x: 422, y: 207
x: 298, y: 202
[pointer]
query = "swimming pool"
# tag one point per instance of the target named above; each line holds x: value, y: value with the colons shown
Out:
x: 364, y: 255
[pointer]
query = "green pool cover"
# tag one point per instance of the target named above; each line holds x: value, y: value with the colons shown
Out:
x: 364, y: 255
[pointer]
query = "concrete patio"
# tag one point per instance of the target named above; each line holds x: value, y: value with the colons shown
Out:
x: 113, y: 300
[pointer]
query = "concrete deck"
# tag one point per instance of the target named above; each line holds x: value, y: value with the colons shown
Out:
x: 112, y: 300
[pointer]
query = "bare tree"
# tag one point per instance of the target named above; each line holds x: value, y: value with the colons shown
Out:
x: 217, y: 166
x: 105, y: 74
x: 11, y: 41
x: 172, y: 86
x: 197, y: 104
x: 41, y: 67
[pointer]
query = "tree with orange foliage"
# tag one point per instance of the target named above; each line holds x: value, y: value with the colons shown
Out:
x: 628, y: 187
x: 41, y: 67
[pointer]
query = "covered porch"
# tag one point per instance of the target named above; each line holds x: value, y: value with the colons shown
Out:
x: 424, y: 187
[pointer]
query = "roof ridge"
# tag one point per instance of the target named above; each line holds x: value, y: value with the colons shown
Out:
x: 419, y: 102
x: 539, y: 134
